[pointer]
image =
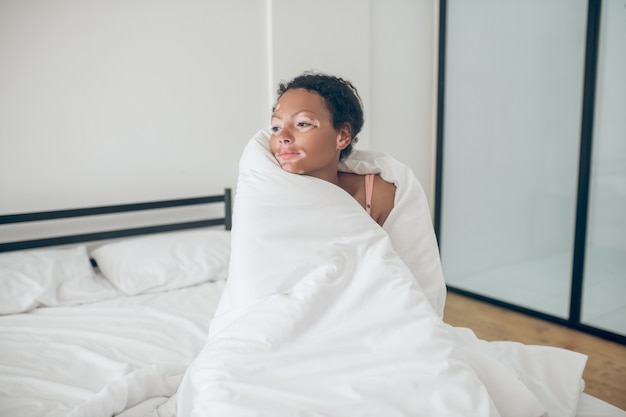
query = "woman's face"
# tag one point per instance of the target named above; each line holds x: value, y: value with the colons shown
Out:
x: 303, y: 138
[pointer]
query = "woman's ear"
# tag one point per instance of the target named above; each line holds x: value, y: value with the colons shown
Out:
x: 344, y: 136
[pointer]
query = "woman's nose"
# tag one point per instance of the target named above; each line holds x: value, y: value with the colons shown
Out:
x: 285, y: 136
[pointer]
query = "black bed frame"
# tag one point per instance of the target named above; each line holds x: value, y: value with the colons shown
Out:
x: 121, y: 208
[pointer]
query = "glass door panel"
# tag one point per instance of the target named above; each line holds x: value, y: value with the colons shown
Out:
x: 604, y: 282
x: 514, y: 79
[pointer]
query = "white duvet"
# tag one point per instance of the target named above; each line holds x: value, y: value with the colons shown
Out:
x: 327, y: 314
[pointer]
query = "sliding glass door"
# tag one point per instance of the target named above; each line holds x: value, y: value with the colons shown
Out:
x: 604, y: 291
x: 512, y: 94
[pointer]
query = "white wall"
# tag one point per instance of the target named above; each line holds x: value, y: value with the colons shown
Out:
x: 403, y: 57
x: 133, y: 100
x: 123, y: 101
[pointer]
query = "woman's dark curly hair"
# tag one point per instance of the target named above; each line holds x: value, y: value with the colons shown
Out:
x: 341, y: 97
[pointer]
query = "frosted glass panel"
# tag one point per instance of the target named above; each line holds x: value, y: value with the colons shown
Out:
x: 604, y: 291
x: 514, y: 78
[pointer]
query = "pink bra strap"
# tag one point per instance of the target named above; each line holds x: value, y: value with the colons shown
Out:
x: 369, y: 187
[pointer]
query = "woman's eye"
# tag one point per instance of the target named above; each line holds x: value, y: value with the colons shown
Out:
x: 304, y: 124
x: 275, y: 129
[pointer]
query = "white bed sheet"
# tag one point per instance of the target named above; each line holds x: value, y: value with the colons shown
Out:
x: 54, y: 359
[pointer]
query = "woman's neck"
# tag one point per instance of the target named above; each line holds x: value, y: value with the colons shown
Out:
x: 349, y: 182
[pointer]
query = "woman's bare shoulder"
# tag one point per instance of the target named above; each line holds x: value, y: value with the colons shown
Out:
x: 382, y: 199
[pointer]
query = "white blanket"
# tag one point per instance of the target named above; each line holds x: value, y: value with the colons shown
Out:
x: 327, y: 314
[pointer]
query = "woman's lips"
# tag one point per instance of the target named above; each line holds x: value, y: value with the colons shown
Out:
x: 288, y: 154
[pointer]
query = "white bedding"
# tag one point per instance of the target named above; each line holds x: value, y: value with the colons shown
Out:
x: 94, y: 356
x: 56, y: 360
x: 322, y: 316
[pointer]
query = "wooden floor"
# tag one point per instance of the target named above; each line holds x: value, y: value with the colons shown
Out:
x: 605, y: 373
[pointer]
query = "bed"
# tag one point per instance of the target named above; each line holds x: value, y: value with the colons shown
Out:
x: 111, y: 323
x: 72, y: 339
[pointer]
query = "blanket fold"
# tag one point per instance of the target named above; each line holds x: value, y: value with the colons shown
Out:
x: 325, y: 313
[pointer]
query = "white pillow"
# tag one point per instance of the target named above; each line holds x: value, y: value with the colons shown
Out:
x: 165, y: 261
x: 48, y: 277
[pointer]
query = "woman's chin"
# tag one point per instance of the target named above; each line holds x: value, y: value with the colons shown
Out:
x: 291, y: 168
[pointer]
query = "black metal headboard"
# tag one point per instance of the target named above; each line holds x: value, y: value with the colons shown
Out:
x: 113, y: 234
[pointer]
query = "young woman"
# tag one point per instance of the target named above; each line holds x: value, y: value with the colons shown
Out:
x: 314, y: 124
